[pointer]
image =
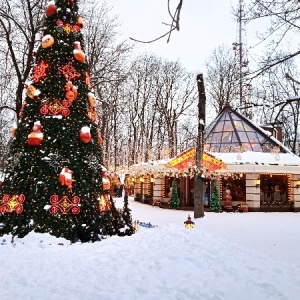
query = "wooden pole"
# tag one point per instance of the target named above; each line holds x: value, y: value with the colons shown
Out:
x: 198, y: 180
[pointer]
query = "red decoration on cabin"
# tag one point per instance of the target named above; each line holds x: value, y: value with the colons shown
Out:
x: 183, y: 160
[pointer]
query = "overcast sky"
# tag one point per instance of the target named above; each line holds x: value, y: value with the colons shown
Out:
x: 204, y: 26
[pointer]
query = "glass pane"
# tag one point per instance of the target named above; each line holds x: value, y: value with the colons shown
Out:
x: 256, y: 147
x: 234, y: 138
x: 228, y: 126
x: 216, y: 138
x: 226, y: 137
x: 247, y: 127
x: 239, y: 125
x: 225, y: 148
x: 235, y: 147
x: 223, y: 117
x: 243, y: 137
x: 267, y: 147
x: 219, y: 127
x: 252, y: 136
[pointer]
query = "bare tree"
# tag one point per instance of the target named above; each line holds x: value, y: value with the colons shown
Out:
x: 142, y: 107
x: 107, y: 60
x: 283, y: 25
x: 276, y: 102
x: 20, y: 23
x: 222, y: 79
x: 177, y: 93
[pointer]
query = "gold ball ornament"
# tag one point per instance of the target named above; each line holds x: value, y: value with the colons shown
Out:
x: 80, y: 21
x: 100, y: 140
x: 47, y: 41
x: 31, y: 90
x: 92, y: 99
x: 13, y: 131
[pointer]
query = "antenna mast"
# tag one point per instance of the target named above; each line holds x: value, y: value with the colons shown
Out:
x: 240, y: 47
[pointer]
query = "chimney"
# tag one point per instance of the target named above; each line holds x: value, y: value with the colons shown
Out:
x: 276, y: 131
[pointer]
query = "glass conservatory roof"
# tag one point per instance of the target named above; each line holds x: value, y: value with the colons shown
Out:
x: 232, y: 132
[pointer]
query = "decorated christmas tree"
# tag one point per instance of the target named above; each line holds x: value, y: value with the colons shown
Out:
x: 215, y: 203
x: 126, y: 216
x: 174, y: 202
x: 55, y: 181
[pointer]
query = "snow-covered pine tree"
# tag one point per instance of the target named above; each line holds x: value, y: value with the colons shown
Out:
x: 215, y: 204
x: 126, y: 216
x: 174, y: 202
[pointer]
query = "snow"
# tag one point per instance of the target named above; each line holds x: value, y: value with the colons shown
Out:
x: 225, y: 256
x: 249, y: 157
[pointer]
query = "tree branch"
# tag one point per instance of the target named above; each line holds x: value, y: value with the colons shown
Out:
x: 173, y: 26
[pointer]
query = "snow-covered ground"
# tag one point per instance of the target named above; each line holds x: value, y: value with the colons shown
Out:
x: 225, y: 256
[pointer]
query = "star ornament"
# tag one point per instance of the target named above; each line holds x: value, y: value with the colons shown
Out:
x: 69, y: 71
x: 39, y: 71
x: 93, y: 162
x: 68, y: 28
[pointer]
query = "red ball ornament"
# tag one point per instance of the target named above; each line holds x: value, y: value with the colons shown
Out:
x: 85, y: 134
x: 78, y: 53
x: 51, y: 9
x: 35, y: 138
x: 80, y: 21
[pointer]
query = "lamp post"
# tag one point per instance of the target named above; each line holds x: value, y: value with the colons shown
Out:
x: 198, y: 180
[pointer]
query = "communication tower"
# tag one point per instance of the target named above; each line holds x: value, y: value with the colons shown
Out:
x: 240, y: 48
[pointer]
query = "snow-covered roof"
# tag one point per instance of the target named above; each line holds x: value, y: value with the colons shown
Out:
x: 262, y: 158
x: 260, y: 161
x: 158, y: 165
